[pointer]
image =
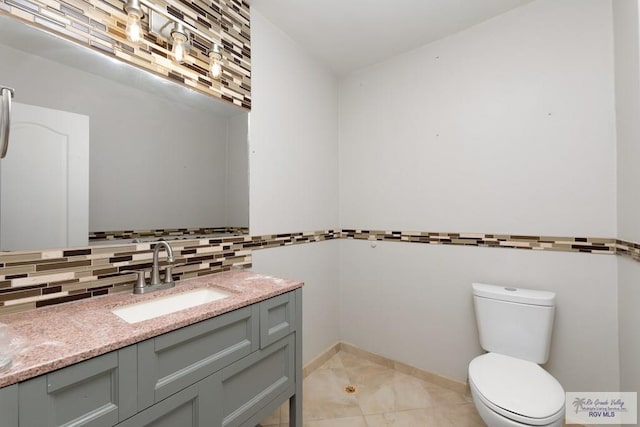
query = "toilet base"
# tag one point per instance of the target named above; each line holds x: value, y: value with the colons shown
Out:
x: 493, y: 419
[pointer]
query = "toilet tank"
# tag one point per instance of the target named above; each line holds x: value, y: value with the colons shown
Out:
x: 514, y: 322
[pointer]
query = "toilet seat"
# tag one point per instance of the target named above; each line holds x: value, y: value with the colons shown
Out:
x: 517, y: 389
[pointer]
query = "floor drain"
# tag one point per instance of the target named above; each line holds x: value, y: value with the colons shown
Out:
x: 350, y: 389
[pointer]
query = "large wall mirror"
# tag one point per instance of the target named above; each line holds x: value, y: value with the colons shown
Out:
x: 153, y: 155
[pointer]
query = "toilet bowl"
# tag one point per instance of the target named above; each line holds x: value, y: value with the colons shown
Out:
x: 508, y: 386
x: 511, y: 392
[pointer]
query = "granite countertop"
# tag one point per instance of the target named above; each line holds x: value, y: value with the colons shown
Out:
x: 57, y: 336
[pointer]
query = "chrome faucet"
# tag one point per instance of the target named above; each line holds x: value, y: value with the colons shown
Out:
x: 155, y: 269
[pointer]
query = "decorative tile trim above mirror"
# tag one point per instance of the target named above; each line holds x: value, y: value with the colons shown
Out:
x: 35, y: 279
x: 100, y: 25
x: 113, y: 236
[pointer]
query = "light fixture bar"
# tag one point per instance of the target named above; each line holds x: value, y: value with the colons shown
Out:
x: 164, y: 13
x: 179, y: 36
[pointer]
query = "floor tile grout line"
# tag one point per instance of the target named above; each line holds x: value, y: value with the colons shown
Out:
x: 343, y: 369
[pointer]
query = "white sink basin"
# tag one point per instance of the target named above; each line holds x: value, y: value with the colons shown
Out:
x: 138, y: 312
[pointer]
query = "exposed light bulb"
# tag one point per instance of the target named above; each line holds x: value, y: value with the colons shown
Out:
x: 215, y: 69
x: 215, y: 66
x: 134, y: 13
x: 134, y: 30
x: 179, y: 36
x: 178, y: 50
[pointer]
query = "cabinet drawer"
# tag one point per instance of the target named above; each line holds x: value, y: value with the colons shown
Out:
x: 192, y: 407
x: 174, y: 361
x: 252, y: 382
x: 92, y: 393
x: 277, y: 318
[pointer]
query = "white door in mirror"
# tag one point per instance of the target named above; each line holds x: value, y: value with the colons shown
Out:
x: 139, y: 312
x: 44, y: 194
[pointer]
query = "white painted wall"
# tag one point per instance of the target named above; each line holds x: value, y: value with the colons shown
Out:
x: 293, y: 137
x: 627, y: 62
x: 506, y: 127
x: 627, y: 91
x: 412, y: 302
x: 316, y: 264
x: 294, y: 173
x: 150, y: 158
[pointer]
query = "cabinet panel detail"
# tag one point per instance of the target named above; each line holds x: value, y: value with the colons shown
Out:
x: 276, y: 318
x: 175, y: 360
x: 192, y: 407
x: 255, y: 380
x: 9, y: 406
x: 85, y: 394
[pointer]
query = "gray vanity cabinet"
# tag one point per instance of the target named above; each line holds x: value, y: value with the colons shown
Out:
x: 247, y: 359
x: 97, y: 392
x: 227, y: 371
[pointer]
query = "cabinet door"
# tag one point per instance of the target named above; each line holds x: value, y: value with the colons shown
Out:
x: 192, y: 407
x: 277, y: 318
x: 9, y: 406
x: 173, y: 361
x: 93, y: 393
x: 254, y: 381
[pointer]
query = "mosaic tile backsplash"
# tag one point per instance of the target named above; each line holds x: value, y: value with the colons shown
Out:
x: 35, y: 279
x: 100, y: 25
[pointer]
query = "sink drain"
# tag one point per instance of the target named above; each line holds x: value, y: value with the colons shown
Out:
x: 350, y: 389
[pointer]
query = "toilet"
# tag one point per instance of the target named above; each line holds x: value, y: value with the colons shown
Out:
x: 508, y: 386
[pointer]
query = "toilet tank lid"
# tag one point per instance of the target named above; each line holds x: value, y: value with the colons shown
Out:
x: 519, y: 295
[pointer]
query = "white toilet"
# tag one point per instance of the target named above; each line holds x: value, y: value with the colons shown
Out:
x: 508, y: 386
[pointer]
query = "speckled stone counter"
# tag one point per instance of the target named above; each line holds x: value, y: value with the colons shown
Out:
x: 58, y: 336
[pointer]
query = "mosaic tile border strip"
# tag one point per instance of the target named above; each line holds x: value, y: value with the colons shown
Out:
x: 287, y: 239
x: 100, y: 26
x: 35, y: 279
x: 629, y: 249
x: 170, y: 233
x: 594, y: 245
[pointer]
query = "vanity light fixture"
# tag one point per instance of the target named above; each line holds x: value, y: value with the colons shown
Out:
x: 179, y: 36
x: 134, y: 15
x: 180, y: 42
x: 215, y: 64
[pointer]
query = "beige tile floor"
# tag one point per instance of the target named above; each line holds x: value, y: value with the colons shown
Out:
x: 383, y: 397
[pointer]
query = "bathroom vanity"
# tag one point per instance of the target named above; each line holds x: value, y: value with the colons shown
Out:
x: 226, y: 363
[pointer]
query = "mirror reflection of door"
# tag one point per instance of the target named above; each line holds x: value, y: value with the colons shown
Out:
x: 44, y: 180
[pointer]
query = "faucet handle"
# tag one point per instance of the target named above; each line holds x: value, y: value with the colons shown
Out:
x: 140, y: 281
